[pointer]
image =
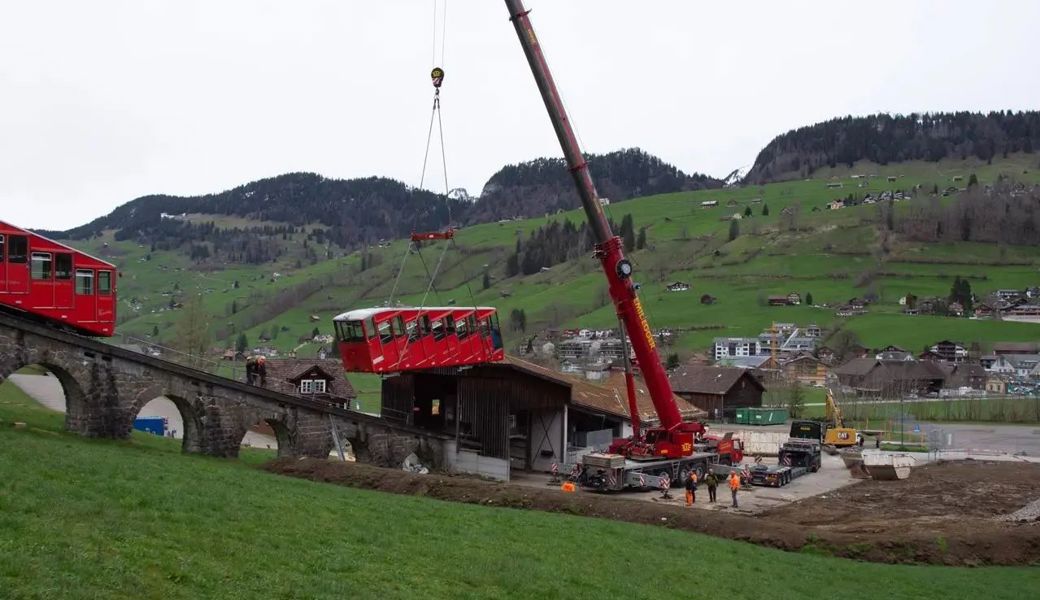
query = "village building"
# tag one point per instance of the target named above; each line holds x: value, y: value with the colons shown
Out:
x: 870, y: 377
x: 950, y: 351
x: 314, y: 378
x: 729, y: 347
x: 717, y: 390
x: 806, y: 369
x: 678, y: 286
x: 777, y: 301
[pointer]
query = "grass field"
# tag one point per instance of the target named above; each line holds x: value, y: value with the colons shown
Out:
x: 93, y: 518
x: 834, y: 255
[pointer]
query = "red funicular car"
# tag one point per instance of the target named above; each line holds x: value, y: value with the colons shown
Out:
x: 387, y: 340
x: 53, y: 282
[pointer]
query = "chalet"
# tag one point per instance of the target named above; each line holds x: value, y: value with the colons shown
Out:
x: 984, y: 311
x: 1023, y: 313
x: 950, y: 351
x: 825, y: 354
x: 313, y: 378
x: 844, y: 310
x: 955, y: 309
x: 1033, y: 293
x: 708, y: 299
x: 929, y: 355
x: 777, y: 301
x: 1000, y: 348
x: 718, y: 390
x: 891, y: 178
x: 805, y: 369
x: 794, y: 298
x: 967, y: 375
x: 836, y: 204
x: 1008, y: 294
x: 894, y: 356
x: 709, y: 203
x: 857, y: 304
x: 678, y: 286
x: 996, y: 385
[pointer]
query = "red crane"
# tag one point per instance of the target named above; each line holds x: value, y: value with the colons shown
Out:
x: 674, y: 437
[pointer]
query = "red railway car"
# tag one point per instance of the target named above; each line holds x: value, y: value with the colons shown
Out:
x: 388, y: 340
x: 54, y: 282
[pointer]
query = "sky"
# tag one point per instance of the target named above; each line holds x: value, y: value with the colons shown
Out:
x: 105, y: 101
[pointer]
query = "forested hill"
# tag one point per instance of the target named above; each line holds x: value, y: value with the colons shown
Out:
x: 544, y: 185
x: 887, y: 139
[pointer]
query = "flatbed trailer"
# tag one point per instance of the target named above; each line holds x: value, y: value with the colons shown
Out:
x: 605, y: 472
x: 776, y: 475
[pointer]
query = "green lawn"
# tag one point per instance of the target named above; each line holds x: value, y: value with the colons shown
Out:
x: 94, y: 518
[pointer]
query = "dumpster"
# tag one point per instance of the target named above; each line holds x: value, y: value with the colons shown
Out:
x: 156, y: 425
x: 766, y: 416
x: 743, y: 416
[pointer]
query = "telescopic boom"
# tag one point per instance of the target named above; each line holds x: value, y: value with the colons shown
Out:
x: 608, y: 246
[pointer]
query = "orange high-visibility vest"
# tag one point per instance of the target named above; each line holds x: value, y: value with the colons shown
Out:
x: 734, y: 482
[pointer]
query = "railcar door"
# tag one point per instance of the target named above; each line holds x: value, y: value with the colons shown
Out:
x: 41, y: 271
x: 106, y: 296
x: 3, y: 265
x: 63, y: 285
x: 17, y: 264
x: 86, y: 301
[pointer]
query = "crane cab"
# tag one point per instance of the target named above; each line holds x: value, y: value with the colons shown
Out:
x: 388, y: 340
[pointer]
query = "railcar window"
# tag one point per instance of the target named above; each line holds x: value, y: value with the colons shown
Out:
x: 449, y: 325
x: 18, y: 249
x: 462, y: 329
x: 384, y: 332
x: 413, y: 331
x: 104, y: 282
x: 63, y: 266
x: 437, y: 327
x: 398, y: 327
x: 2, y: 257
x: 370, y: 327
x: 41, y: 266
x: 351, y: 331
x: 84, y: 282
x: 424, y: 325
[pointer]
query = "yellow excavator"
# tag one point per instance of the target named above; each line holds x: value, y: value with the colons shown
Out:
x: 838, y: 435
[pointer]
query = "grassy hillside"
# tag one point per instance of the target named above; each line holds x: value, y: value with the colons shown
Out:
x: 137, y: 519
x: 834, y: 255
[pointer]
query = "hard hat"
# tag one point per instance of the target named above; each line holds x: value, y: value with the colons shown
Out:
x: 262, y: 359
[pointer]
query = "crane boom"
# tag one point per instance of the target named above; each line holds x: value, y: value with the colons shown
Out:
x: 609, y: 249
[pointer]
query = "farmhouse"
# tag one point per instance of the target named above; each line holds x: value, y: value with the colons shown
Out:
x: 836, y: 204
x: 678, y: 286
x: 315, y: 378
x: 890, y: 379
x: 777, y: 301
x: 805, y: 369
x: 718, y: 390
x: 709, y: 203
x: 950, y: 351
x: 794, y: 298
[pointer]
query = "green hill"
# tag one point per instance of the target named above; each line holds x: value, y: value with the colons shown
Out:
x: 138, y: 519
x: 832, y: 254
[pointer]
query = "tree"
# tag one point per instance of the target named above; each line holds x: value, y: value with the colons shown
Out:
x: 973, y: 180
x: 747, y: 211
x: 960, y: 292
x: 155, y: 331
x: 935, y: 189
x: 487, y: 280
x: 734, y: 230
x: 795, y: 401
x: 234, y: 306
x: 628, y: 234
x: 641, y: 240
x: 672, y: 362
x: 192, y: 330
x: 808, y: 298
x: 513, y: 265
x: 765, y: 209
x: 235, y: 284
x: 315, y: 333
x: 241, y: 343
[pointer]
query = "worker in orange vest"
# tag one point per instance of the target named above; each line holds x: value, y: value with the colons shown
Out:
x: 691, y: 489
x: 734, y: 486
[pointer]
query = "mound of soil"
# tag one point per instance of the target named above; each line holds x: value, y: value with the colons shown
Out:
x: 944, y: 514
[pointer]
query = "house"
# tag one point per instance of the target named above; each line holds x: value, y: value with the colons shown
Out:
x: 1023, y: 313
x: 806, y: 369
x: 955, y: 309
x: 1000, y: 348
x: 857, y: 303
x: 813, y: 330
x: 891, y: 177
x: 729, y: 347
x: 996, y: 385
x: 794, y: 298
x: 708, y: 299
x: 1008, y: 294
x: 1033, y: 293
x: 313, y: 378
x: 891, y: 379
x: 894, y: 356
x: 825, y: 354
x: 718, y: 390
x: 836, y: 204
x: 950, y: 351
x: 929, y: 355
x: 604, y: 201
x: 777, y: 301
x: 984, y: 311
x: 967, y: 375
x: 709, y: 203
x: 1001, y: 365
x: 678, y: 286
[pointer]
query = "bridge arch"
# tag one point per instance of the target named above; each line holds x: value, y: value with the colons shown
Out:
x: 71, y: 399
x: 184, y: 420
x: 267, y: 432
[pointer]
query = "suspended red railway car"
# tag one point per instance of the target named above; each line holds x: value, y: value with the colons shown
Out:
x: 53, y: 282
x: 388, y: 340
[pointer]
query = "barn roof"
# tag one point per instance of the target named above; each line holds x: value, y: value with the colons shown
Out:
x: 698, y: 379
x: 282, y: 375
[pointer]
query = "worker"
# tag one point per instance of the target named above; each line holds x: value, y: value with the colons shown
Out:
x: 261, y: 370
x: 691, y: 489
x: 734, y: 486
x: 251, y: 370
x: 713, y: 482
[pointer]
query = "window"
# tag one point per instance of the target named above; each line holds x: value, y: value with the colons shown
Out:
x: 350, y: 331
x: 370, y: 327
x: 435, y: 407
x: 104, y: 282
x: 449, y: 325
x: 18, y: 249
x: 84, y: 282
x: 412, y: 330
x: 1, y: 248
x: 462, y: 328
x: 424, y: 325
x: 63, y: 266
x: 437, y: 327
x: 312, y: 386
x: 397, y: 327
x: 384, y: 332
x: 40, y: 269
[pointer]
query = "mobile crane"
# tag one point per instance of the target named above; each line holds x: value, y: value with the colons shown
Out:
x: 671, y: 449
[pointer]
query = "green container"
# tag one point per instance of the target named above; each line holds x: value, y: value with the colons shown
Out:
x: 765, y: 416
x: 743, y: 416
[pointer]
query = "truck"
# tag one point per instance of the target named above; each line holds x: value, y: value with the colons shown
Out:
x: 674, y: 447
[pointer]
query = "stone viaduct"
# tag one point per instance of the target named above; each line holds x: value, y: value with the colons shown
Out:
x: 106, y: 386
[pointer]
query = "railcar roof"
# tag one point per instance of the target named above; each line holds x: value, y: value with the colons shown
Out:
x: 360, y: 314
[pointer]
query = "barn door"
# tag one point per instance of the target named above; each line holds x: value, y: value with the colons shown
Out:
x: 17, y: 264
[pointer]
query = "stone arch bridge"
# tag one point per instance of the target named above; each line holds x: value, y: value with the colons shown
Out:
x: 106, y: 386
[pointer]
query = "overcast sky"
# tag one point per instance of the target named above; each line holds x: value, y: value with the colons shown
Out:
x: 103, y: 101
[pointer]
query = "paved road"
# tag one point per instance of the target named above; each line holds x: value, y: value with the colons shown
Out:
x: 46, y: 390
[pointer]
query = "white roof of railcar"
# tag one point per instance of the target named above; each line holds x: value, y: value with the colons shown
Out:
x: 360, y: 314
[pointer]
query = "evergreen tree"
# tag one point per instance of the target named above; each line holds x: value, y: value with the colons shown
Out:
x: 641, y: 240
x: 234, y: 306
x: 628, y: 234
x: 747, y: 211
x: 734, y: 230
x: 765, y: 209
x: 973, y: 180
x: 192, y: 333
x: 155, y: 331
x: 672, y: 362
x: 513, y: 265
x: 315, y: 333
x: 808, y: 298
x: 935, y: 189
x: 241, y: 343
x: 486, y: 283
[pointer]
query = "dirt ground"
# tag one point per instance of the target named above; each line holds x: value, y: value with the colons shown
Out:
x: 945, y: 513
